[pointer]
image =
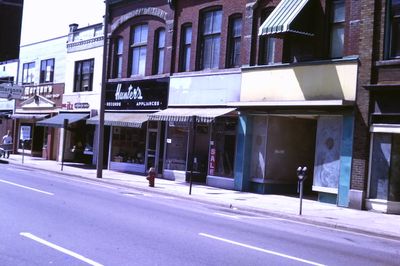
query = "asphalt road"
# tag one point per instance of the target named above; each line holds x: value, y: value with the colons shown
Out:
x: 50, y: 219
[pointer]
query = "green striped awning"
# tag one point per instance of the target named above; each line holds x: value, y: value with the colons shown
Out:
x: 202, y: 115
x: 121, y: 119
x: 281, y: 18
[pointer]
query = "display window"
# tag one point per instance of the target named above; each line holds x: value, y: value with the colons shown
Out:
x: 128, y: 145
x: 176, y: 150
x: 222, y: 149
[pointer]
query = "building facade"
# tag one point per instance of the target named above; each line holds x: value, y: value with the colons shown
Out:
x: 42, y: 76
x: 383, y: 84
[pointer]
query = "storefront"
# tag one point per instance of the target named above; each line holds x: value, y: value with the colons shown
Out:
x: 6, y: 110
x: 302, y: 120
x: 200, y: 128
x: 384, y: 165
x: 133, y: 143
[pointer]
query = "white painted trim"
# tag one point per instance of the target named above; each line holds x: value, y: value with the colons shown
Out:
x: 325, y: 189
x: 385, y: 128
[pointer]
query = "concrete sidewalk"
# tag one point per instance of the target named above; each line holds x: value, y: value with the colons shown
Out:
x: 377, y: 224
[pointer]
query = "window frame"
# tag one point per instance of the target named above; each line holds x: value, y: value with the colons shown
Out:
x: 267, y: 44
x: 28, y: 73
x: 337, y: 25
x: 139, y: 46
x: 118, y: 57
x: 159, y: 51
x: 79, y: 76
x: 214, y: 36
x: 47, y: 73
x: 391, y: 21
x: 185, y: 48
x: 234, y: 42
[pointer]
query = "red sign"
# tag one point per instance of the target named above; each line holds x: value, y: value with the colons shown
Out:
x: 212, y: 162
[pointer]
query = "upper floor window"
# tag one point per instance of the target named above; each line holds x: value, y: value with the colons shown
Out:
x: 159, y: 51
x: 210, y: 39
x: 47, y: 70
x: 83, y: 80
x: 28, y: 74
x: 267, y: 44
x: 394, y: 24
x: 119, y: 50
x: 337, y: 29
x: 234, y: 43
x: 138, y: 49
x: 185, y: 48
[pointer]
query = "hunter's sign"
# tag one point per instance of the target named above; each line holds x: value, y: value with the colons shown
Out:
x: 137, y: 95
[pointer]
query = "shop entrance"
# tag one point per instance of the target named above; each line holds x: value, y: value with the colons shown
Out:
x: 154, y: 146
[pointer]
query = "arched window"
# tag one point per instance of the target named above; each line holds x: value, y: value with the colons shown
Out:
x: 138, y: 49
x: 210, y: 36
x: 234, y: 41
x: 159, y: 51
x: 185, y: 48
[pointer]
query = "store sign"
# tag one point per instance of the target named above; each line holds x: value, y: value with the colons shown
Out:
x: 137, y: 95
x: 212, y: 162
x: 10, y: 91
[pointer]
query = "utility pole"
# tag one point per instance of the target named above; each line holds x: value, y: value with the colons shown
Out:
x: 100, y: 153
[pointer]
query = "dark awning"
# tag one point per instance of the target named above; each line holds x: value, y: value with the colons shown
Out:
x: 58, y: 120
x: 281, y: 18
x: 203, y: 115
x: 121, y: 119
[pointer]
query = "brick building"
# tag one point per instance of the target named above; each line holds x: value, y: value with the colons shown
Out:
x: 253, y: 89
x: 383, y: 84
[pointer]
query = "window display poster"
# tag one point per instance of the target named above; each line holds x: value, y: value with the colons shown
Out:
x: 25, y: 133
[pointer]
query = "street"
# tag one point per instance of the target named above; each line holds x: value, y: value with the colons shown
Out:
x: 52, y: 219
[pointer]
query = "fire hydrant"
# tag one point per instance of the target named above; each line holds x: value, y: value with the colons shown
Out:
x: 151, y: 176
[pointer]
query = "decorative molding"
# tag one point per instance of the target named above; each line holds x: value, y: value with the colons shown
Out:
x: 150, y: 11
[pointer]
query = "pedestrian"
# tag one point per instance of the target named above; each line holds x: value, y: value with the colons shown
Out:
x: 7, y: 139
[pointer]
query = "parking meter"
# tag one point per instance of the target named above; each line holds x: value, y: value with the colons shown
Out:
x: 301, y: 175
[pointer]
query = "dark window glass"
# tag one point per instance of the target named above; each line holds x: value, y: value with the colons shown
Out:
x: 159, y: 52
x: 186, y: 43
x: 267, y: 44
x: 235, y: 36
x: 211, y: 39
x: 47, y: 71
x: 395, y: 29
x: 84, y: 75
x: 337, y: 29
x: 139, y: 49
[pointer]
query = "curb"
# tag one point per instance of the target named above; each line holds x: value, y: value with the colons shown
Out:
x: 237, y: 208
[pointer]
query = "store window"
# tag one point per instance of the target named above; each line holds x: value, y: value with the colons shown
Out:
x: 337, y: 28
x: 128, y: 145
x: 28, y: 73
x: 394, y: 28
x: 176, y: 150
x: 47, y: 70
x: 139, y: 49
x: 84, y: 75
x: 385, y: 167
x: 185, y: 48
x: 159, y: 52
x: 222, y: 149
x: 235, y: 38
x: 210, y: 39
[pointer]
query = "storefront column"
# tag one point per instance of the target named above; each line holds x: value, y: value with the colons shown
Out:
x: 346, y: 152
x: 243, y: 153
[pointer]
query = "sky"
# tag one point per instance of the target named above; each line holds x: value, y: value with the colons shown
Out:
x: 46, y: 19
